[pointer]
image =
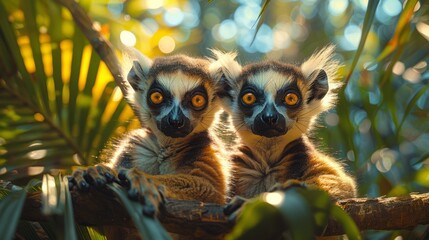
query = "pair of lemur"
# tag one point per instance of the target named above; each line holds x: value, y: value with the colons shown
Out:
x: 272, y: 106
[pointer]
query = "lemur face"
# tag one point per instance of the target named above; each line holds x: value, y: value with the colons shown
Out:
x: 175, y: 95
x: 273, y: 99
x: 273, y: 95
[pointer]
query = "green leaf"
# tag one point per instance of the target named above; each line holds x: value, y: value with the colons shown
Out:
x: 297, y: 212
x: 84, y: 110
x: 401, y: 28
x: 8, y: 34
x: 109, y: 128
x: 70, y: 229
x: 78, y: 46
x: 346, y: 222
x: 10, y: 208
x: 367, y: 23
x: 260, y: 19
x: 96, y: 126
x: 258, y: 220
x: 411, y: 104
x: 149, y: 228
x: 55, y: 32
x: 29, y: 9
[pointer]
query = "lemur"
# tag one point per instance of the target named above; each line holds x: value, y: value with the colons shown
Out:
x: 273, y: 106
x: 176, y: 99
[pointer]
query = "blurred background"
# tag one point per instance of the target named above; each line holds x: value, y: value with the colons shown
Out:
x: 59, y: 106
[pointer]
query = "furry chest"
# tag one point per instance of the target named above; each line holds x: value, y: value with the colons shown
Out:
x: 250, y: 183
x: 154, y: 161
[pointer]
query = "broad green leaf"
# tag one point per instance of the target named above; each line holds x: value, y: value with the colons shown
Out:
x: 10, y: 208
x: 258, y: 220
x: 149, y: 228
x: 297, y: 213
x: 346, y: 222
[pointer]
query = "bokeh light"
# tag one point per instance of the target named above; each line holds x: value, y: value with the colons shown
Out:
x: 128, y: 38
x: 166, y: 44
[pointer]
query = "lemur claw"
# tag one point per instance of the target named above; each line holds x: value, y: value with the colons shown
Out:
x: 142, y: 189
x: 96, y: 176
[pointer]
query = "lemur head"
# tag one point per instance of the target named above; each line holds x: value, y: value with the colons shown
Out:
x: 274, y: 99
x: 175, y: 95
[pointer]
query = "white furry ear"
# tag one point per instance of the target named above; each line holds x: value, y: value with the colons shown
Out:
x: 320, y: 71
x: 225, y: 70
x: 139, y: 66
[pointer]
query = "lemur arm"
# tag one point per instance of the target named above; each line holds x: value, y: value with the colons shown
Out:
x: 326, y: 174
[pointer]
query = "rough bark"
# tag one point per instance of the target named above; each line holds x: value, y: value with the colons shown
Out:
x: 191, y: 217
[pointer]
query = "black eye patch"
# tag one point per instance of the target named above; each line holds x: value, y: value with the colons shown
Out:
x: 167, y: 98
x: 284, y: 91
x: 187, y: 100
x: 247, y: 109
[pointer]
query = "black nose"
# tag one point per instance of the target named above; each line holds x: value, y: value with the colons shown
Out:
x: 176, y: 121
x: 270, y: 118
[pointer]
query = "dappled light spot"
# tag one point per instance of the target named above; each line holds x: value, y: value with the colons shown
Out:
x: 150, y: 26
x: 77, y: 159
x: 398, y: 68
x: 412, y: 75
x: 417, y: 7
x: 421, y: 66
x: 332, y: 119
x: 49, y: 194
x: 3, y: 170
x: 227, y: 29
x: 128, y: 38
x: 173, y: 17
x: 384, y: 159
x: 35, y: 170
x: 350, y: 155
x: 117, y: 94
x: 150, y: 4
x: 36, y: 154
x: 166, y: 44
x: 423, y: 29
x: 352, y: 34
x: 274, y: 198
x: 337, y: 7
x: 39, y: 117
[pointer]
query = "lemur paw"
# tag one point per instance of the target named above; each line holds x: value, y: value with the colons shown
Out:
x: 287, y: 185
x: 97, y: 176
x: 142, y: 189
x: 233, y: 208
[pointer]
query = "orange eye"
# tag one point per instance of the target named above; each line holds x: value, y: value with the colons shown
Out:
x: 198, y: 101
x: 248, y: 98
x: 156, y: 98
x: 291, y: 99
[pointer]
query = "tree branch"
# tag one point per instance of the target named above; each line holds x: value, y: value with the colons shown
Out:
x: 189, y: 217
